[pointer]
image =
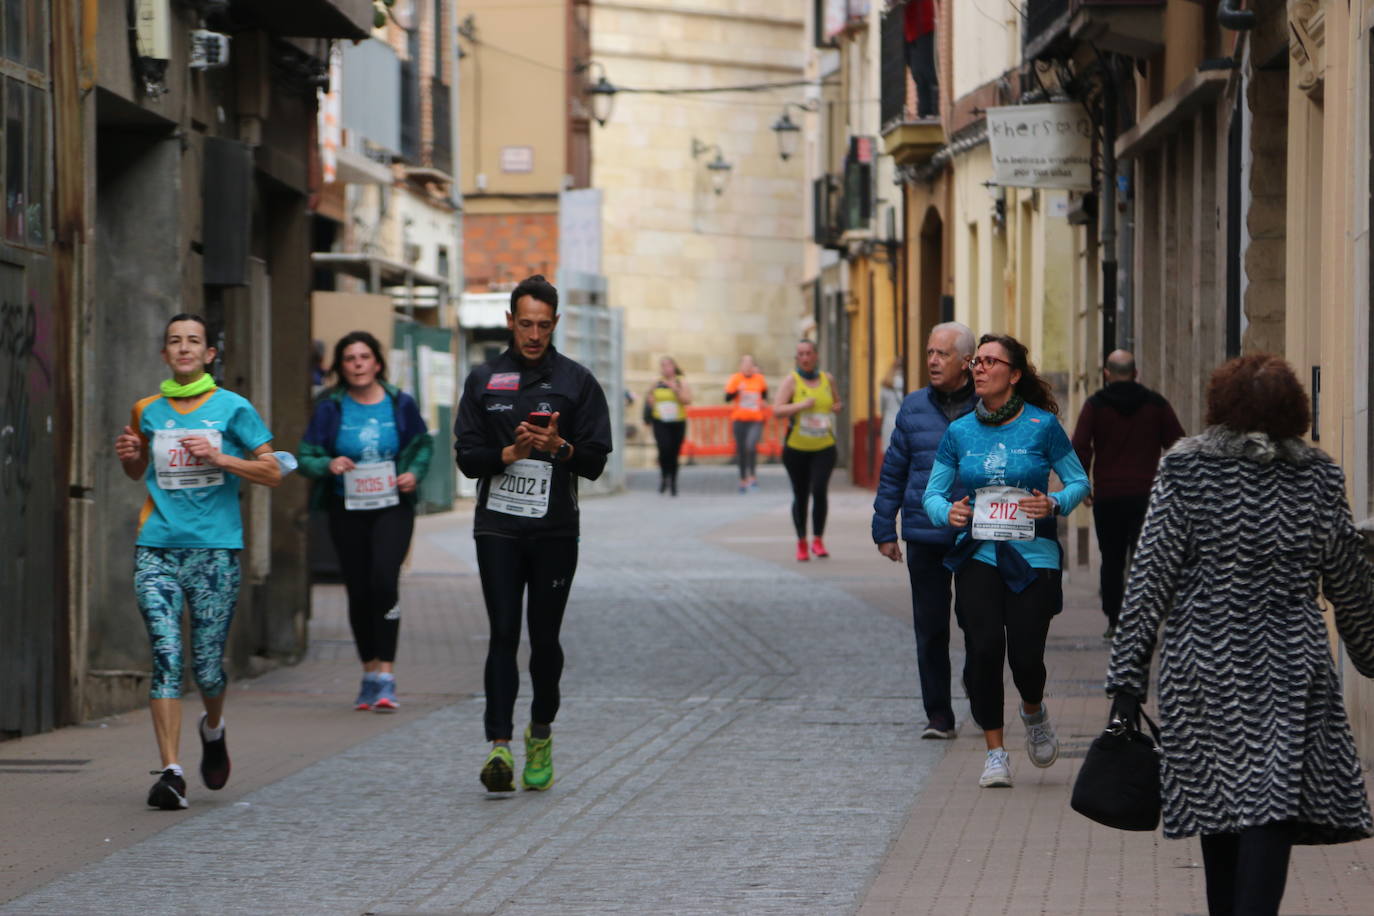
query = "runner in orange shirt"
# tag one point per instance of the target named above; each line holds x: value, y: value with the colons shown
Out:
x: 748, y: 391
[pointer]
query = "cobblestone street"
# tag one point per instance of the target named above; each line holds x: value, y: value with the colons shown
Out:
x: 738, y: 735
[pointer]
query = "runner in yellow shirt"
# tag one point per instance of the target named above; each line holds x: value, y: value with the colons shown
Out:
x: 811, y: 399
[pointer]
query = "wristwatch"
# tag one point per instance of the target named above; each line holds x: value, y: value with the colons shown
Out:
x: 563, y: 452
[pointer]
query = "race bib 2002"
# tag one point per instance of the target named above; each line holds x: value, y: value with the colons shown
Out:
x: 522, y: 490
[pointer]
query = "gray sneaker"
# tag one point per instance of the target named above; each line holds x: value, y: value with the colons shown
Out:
x: 997, y: 770
x: 1041, y: 745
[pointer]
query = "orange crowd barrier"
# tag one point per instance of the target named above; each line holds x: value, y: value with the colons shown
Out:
x: 710, y: 434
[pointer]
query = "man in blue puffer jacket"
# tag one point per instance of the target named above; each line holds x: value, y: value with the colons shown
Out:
x: 921, y: 424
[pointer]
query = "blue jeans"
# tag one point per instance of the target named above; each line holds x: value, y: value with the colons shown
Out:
x: 930, y: 600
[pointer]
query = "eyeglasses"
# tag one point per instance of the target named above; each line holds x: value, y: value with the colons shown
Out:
x: 987, y: 362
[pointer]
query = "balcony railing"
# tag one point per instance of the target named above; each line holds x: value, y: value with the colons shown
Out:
x: 895, y: 77
x: 441, y: 133
x: 858, y: 184
x: 826, y: 210
x: 410, y: 112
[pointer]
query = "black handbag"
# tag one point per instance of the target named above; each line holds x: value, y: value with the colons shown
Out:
x: 1118, y: 784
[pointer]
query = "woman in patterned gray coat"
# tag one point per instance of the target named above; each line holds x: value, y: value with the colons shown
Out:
x: 1245, y: 523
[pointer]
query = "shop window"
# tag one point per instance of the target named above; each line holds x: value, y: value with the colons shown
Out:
x: 24, y: 112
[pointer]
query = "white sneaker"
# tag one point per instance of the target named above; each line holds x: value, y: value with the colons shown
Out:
x: 1041, y: 744
x: 997, y: 770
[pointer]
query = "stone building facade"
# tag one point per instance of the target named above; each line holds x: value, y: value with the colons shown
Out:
x: 703, y: 277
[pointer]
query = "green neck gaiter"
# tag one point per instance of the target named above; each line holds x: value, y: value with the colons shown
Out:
x: 171, y: 389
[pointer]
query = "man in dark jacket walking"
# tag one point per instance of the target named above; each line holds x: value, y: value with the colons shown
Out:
x: 921, y: 424
x: 1126, y: 426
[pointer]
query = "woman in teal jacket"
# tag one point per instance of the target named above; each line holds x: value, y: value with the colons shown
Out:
x: 367, y: 449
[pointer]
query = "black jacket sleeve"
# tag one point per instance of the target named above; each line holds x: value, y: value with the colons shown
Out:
x: 476, y: 454
x: 591, y: 433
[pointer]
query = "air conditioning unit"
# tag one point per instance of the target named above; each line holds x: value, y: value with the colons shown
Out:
x: 209, y: 50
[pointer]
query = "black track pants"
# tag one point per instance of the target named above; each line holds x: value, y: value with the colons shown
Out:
x: 810, y: 476
x: 1118, y: 522
x: 668, y: 437
x: 511, y: 569
x: 372, y: 545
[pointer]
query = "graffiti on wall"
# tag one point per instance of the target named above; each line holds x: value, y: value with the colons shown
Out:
x: 24, y: 376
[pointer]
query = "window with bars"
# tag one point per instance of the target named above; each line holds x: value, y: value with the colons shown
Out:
x: 25, y: 121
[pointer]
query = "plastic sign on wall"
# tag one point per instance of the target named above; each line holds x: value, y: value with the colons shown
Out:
x: 1041, y: 146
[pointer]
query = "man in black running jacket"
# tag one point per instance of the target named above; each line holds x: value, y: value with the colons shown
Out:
x: 530, y: 422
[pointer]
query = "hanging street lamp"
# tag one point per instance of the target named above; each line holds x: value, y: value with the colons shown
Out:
x: 718, y: 167
x: 788, y: 131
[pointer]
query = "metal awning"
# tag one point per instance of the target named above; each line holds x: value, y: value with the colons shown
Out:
x: 378, y: 272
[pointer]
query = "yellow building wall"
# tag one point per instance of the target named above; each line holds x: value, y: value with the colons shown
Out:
x: 513, y: 94
x: 1328, y: 317
x: 872, y: 292
x: 987, y: 42
x: 980, y: 247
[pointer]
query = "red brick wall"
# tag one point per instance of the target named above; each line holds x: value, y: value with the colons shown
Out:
x: 507, y: 247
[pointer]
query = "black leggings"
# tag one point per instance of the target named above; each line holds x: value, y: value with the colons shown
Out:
x: 1247, y: 871
x: 372, y: 545
x: 810, y: 476
x: 1118, y: 522
x: 510, y: 566
x: 1001, y: 626
x: 668, y: 437
x: 747, y: 435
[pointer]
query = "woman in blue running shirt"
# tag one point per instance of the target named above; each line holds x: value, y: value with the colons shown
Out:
x: 367, y: 449
x: 1007, y: 564
x: 190, y: 445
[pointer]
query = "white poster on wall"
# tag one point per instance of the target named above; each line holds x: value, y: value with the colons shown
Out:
x: 1041, y: 146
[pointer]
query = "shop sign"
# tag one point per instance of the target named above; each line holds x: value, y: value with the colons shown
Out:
x: 1041, y: 146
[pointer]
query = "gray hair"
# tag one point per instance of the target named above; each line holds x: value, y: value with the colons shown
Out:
x: 963, y: 337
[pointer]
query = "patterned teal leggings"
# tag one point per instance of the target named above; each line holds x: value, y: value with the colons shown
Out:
x: 207, y: 579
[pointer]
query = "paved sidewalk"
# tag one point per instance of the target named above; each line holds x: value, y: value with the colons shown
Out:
x: 760, y: 714
x: 966, y: 850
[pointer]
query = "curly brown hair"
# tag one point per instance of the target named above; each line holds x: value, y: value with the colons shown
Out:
x: 1033, y: 389
x: 1258, y: 393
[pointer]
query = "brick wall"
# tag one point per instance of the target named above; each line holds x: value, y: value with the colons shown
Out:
x: 507, y: 247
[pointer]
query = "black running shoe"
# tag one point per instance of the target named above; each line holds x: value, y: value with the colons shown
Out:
x: 169, y: 792
x: 214, y: 758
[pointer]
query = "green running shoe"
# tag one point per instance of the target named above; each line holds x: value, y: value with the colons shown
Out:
x: 538, y: 772
x: 498, y: 773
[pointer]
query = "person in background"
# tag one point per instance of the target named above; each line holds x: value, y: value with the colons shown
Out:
x: 666, y: 404
x: 810, y: 398
x: 1007, y: 565
x: 890, y: 400
x: 1121, y: 432
x: 910, y: 455
x: 748, y: 391
x: 368, y: 448
x: 1245, y: 523
x: 918, y: 28
x: 317, y: 367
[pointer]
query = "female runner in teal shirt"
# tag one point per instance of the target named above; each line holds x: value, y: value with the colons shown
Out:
x: 190, y: 445
x: 1007, y: 567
